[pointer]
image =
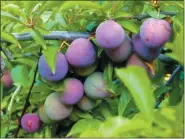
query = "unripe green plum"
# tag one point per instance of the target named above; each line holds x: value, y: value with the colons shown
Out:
x: 43, y: 116
x: 73, y: 91
x: 95, y: 87
x: 109, y: 34
x: 122, y: 52
x: 86, y: 70
x: 86, y: 104
x: 135, y: 60
x: 55, y: 109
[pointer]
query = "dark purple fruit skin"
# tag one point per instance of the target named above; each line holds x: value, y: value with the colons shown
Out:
x: 30, y: 122
x: 155, y: 33
x: 55, y: 109
x: 61, y: 68
x: 146, y: 53
x: 81, y: 53
x: 86, y: 104
x: 6, y: 79
x: 86, y: 70
x: 122, y: 52
x: 95, y: 87
x: 73, y: 91
x: 135, y: 60
x: 109, y: 34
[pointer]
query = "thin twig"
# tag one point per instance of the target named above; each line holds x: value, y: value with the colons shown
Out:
x: 161, y: 98
x: 28, y: 96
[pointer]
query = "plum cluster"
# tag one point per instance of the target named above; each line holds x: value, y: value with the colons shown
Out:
x: 81, y: 73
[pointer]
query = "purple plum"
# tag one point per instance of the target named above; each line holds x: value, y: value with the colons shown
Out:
x: 155, y: 33
x: 122, y: 52
x: 146, y: 53
x: 61, y: 68
x: 73, y: 91
x: 6, y: 79
x: 30, y: 122
x: 81, y: 53
x: 109, y: 34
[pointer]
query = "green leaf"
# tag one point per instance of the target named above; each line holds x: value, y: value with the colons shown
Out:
x: 82, y: 125
x: 160, y: 90
x: 38, y: 38
x: 153, y: 13
x: 79, y: 4
x: 50, y: 57
x: 26, y: 61
x: 138, y: 83
x: 9, y: 38
x: 19, y: 75
x: 129, y: 25
x: 82, y: 114
x: 108, y: 73
x: 125, y: 98
x: 11, y: 17
x: 14, y: 9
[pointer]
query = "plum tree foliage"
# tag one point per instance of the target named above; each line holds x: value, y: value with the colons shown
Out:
x: 92, y: 69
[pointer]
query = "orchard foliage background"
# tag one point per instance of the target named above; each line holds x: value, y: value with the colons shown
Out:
x: 131, y: 111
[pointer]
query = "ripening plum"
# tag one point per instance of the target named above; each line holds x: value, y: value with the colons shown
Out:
x: 61, y: 68
x: 94, y: 86
x: 6, y: 79
x: 73, y: 91
x: 86, y: 70
x: 30, y: 122
x: 137, y: 61
x: 43, y: 116
x: 86, y: 104
x: 122, y: 52
x: 81, y: 53
x: 155, y: 32
x: 146, y: 53
x: 110, y: 34
x: 55, y: 109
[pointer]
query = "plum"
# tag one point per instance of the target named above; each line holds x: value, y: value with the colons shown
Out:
x: 109, y: 34
x: 55, y: 109
x: 122, y: 52
x: 43, y: 116
x: 6, y: 79
x: 155, y: 33
x: 86, y: 104
x: 134, y: 59
x: 81, y: 53
x: 146, y: 53
x: 73, y: 91
x: 30, y: 122
x: 86, y: 70
x: 94, y: 86
x: 61, y: 68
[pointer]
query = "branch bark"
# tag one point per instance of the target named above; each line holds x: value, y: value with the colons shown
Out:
x: 26, y: 105
x: 161, y: 98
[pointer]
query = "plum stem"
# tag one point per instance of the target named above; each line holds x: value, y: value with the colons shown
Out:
x: 26, y: 105
x: 161, y: 98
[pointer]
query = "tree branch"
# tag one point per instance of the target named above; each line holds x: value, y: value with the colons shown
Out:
x: 161, y: 98
x: 53, y: 35
x: 28, y: 96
